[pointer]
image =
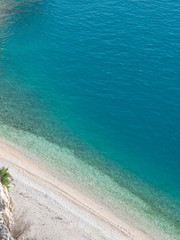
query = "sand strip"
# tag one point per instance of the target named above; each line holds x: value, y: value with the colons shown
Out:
x: 56, y: 210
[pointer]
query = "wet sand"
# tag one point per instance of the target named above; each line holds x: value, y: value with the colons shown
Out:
x: 53, y: 209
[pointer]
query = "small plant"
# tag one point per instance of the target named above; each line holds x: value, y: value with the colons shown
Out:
x: 21, y: 225
x: 5, y: 177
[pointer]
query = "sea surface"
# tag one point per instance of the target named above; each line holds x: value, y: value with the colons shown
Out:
x: 93, y: 89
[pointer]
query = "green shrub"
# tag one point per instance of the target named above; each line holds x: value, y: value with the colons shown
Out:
x: 5, y: 177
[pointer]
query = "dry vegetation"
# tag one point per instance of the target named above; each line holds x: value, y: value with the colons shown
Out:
x: 20, y: 227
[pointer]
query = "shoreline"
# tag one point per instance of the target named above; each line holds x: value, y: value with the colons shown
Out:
x: 80, y: 205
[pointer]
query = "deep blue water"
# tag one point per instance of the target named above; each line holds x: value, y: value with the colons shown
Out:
x: 101, y: 78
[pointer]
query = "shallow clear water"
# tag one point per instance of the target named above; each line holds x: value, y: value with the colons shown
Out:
x: 96, y: 83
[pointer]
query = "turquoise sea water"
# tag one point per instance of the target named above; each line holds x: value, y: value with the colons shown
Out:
x: 93, y: 89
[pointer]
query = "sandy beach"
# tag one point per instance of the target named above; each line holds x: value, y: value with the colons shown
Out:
x: 54, y: 210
